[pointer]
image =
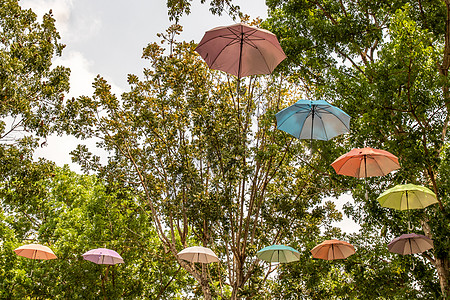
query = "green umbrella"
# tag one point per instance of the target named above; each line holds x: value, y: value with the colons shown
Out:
x: 407, y: 196
x: 278, y: 253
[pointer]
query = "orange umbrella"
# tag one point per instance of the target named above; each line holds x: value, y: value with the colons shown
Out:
x: 333, y: 249
x: 366, y: 162
x: 35, y: 251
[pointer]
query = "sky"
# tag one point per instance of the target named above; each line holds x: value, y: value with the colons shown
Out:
x: 107, y: 37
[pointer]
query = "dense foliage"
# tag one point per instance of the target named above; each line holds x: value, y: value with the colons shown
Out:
x: 73, y: 214
x: 208, y: 162
x: 386, y: 64
x: 31, y: 89
x: 192, y: 160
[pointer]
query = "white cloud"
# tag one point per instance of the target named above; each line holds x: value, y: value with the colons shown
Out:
x: 347, y: 224
x: 68, y: 23
x: 81, y: 77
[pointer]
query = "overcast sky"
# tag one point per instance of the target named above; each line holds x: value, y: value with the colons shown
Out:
x: 107, y: 37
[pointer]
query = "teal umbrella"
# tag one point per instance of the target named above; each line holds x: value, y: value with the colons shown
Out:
x: 278, y: 253
x: 316, y: 120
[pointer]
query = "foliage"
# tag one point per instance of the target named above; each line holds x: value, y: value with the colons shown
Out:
x: 178, y: 8
x: 207, y: 161
x: 384, y: 63
x: 31, y: 90
x: 72, y: 214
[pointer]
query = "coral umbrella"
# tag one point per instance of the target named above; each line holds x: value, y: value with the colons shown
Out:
x: 410, y: 243
x: 198, y: 254
x: 241, y: 50
x: 317, y: 120
x: 366, y: 162
x: 333, y: 249
x: 35, y: 251
x: 103, y: 256
x: 278, y: 253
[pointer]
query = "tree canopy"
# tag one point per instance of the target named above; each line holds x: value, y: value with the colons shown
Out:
x: 194, y: 158
x: 386, y: 64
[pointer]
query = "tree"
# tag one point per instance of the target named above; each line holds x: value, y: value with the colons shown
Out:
x: 386, y: 64
x: 72, y: 214
x: 211, y: 169
x: 178, y: 8
x: 31, y: 91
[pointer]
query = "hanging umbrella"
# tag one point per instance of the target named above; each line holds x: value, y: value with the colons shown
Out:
x: 278, y: 253
x: 317, y: 120
x: 103, y: 256
x: 410, y: 243
x: 366, y: 162
x: 198, y: 254
x: 407, y: 196
x: 333, y: 249
x: 241, y: 50
x: 35, y: 251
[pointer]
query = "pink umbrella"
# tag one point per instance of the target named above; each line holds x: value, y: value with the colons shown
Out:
x: 241, y: 50
x: 35, y: 251
x: 366, y: 162
x: 410, y: 243
x: 333, y: 249
x: 103, y: 256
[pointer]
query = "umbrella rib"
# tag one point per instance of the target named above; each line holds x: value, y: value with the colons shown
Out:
x: 236, y: 40
x: 221, y: 50
x: 377, y: 164
x: 337, y: 117
x: 247, y: 40
x: 304, y: 121
x: 301, y: 109
x: 344, y: 164
x: 323, y: 125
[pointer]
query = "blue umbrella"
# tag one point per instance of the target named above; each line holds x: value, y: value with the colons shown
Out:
x: 316, y: 120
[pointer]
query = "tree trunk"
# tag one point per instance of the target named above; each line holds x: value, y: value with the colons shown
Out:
x: 206, y: 290
x: 442, y: 266
x: 239, y: 279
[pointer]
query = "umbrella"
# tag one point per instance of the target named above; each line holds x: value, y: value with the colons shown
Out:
x: 278, y: 253
x: 333, y: 249
x: 35, y: 251
x: 241, y: 50
x: 366, y: 162
x: 410, y: 243
x: 308, y: 119
x: 198, y: 254
x: 103, y: 256
x: 407, y: 196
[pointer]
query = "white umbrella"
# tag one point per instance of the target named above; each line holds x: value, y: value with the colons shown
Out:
x: 198, y: 254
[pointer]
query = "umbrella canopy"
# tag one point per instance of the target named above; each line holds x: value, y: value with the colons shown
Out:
x: 366, y: 162
x: 410, y: 243
x: 35, y: 251
x: 317, y: 120
x: 198, y: 254
x: 278, y: 253
x: 241, y: 50
x: 333, y: 249
x: 407, y: 196
x: 103, y: 256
